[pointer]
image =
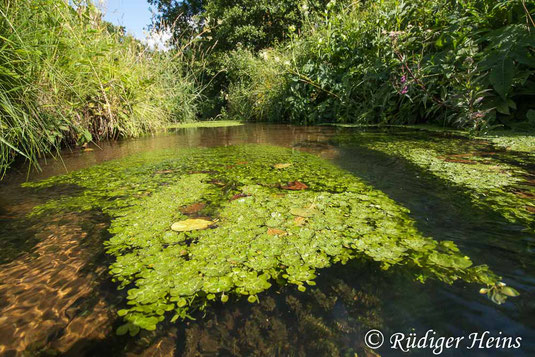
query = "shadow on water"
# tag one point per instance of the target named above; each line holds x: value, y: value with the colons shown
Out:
x: 445, y: 212
x: 441, y: 210
x: 20, y: 233
x: 327, y: 320
x: 60, y: 293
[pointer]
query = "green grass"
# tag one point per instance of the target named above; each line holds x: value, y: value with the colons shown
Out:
x: 68, y: 77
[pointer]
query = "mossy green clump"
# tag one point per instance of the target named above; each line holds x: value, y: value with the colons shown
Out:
x: 476, y: 174
x: 265, y: 230
x: 205, y: 124
x: 521, y: 141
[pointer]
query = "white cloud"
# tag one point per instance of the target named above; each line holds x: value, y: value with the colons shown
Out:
x: 158, y: 39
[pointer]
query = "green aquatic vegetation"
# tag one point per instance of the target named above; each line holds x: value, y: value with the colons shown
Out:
x: 512, y: 141
x: 522, y: 141
x: 488, y: 181
x: 499, y: 293
x: 263, y: 232
x: 205, y: 124
x: 478, y: 174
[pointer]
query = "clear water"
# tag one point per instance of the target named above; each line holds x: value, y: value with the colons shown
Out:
x: 56, y: 296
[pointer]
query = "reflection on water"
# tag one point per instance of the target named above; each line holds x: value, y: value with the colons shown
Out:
x: 282, y: 135
x: 55, y: 295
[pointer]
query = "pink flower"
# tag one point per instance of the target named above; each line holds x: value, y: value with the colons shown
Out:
x: 405, y: 90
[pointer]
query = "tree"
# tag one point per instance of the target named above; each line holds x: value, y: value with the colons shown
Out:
x: 253, y: 24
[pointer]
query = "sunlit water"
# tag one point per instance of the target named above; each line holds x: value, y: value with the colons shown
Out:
x: 56, y: 296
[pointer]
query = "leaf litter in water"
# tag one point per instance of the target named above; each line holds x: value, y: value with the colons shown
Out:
x: 193, y: 208
x: 299, y: 221
x: 238, y: 196
x: 276, y: 232
x: 295, y: 186
x: 171, y: 272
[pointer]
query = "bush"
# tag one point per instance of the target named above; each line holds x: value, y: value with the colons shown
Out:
x: 466, y: 64
x: 66, y: 76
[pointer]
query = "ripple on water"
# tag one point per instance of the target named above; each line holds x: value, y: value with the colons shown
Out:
x: 48, y: 297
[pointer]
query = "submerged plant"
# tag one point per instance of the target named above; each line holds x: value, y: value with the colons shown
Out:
x: 200, y: 225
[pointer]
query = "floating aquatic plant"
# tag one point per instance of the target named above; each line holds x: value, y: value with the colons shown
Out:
x: 486, y: 177
x: 253, y: 224
x: 499, y: 292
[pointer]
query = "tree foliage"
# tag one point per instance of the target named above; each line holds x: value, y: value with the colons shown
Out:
x: 252, y: 24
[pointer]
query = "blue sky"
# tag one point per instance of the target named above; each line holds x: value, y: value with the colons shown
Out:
x: 134, y: 15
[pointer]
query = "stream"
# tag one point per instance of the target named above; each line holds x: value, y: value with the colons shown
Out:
x: 57, y: 296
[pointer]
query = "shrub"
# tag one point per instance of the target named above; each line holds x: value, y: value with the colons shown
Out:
x: 467, y: 64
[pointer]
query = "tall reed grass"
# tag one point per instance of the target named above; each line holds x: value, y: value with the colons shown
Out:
x: 68, y: 77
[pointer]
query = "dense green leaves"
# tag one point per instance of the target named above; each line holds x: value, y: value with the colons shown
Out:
x: 253, y: 24
x: 263, y: 234
x: 466, y: 64
x: 501, y: 76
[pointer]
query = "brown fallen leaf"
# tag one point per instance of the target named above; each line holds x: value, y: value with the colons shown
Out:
x: 276, y: 232
x: 203, y: 172
x: 530, y: 180
x: 242, y: 163
x: 191, y: 225
x: 530, y: 209
x: 239, y: 195
x: 217, y: 182
x: 460, y: 161
x: 88, y: 149
x: 193, y: 208
x: 465, y: 156
x: 295, y: 186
